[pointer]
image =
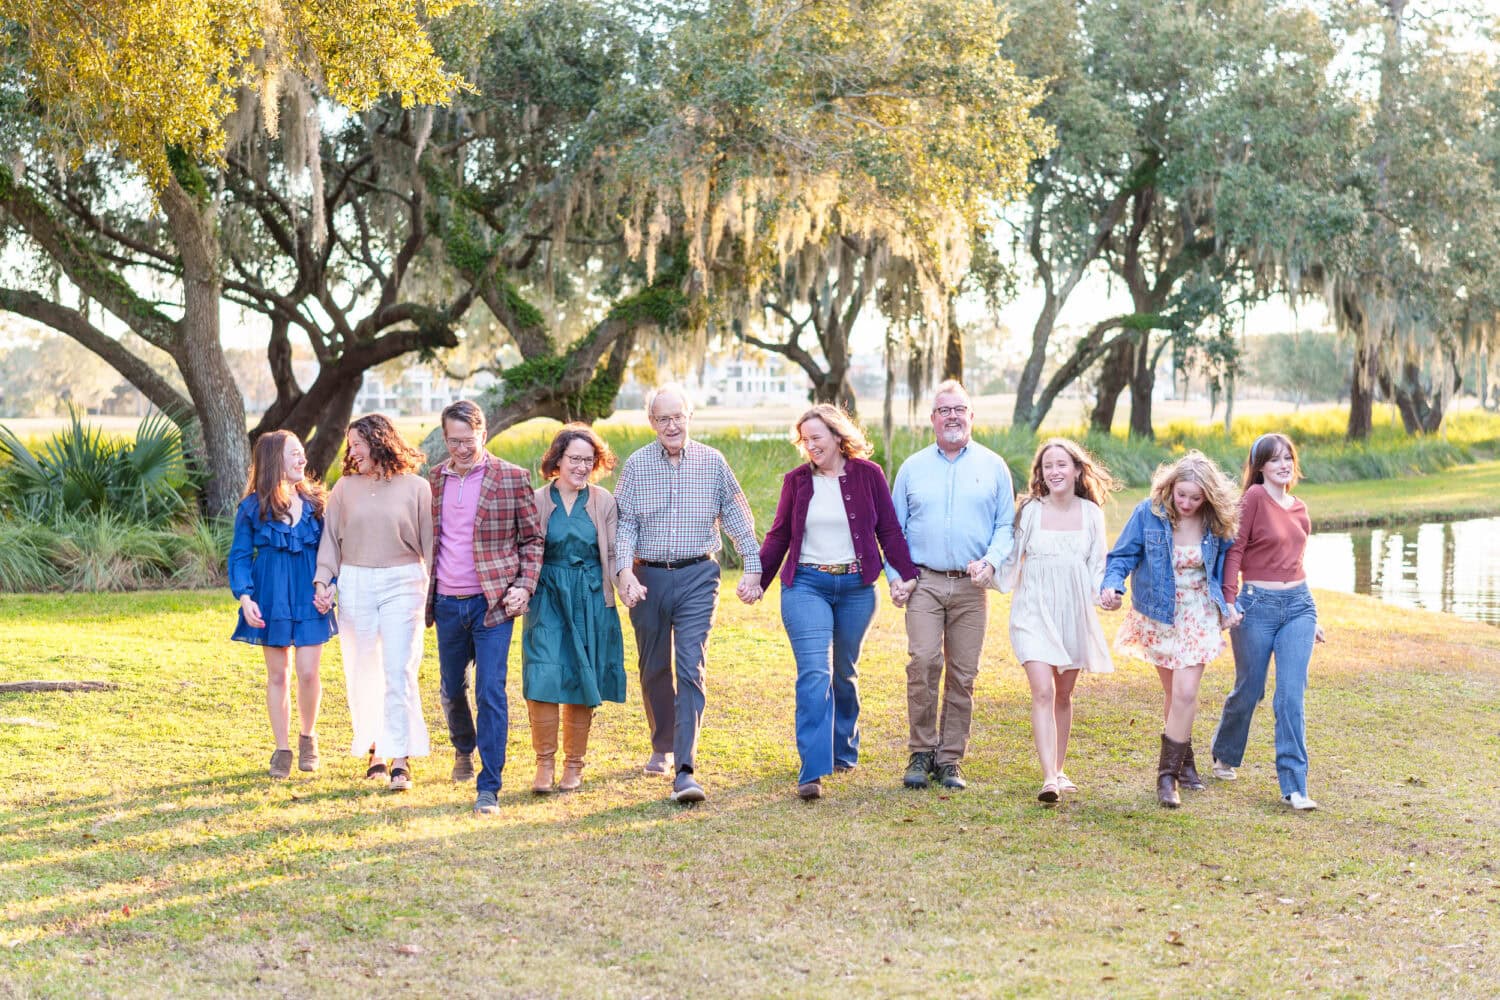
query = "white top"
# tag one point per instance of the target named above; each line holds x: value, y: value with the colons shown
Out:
x: 826, y: 540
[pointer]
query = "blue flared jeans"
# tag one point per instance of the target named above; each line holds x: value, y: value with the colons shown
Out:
x: 1279, y: 623
x: 826, y: 618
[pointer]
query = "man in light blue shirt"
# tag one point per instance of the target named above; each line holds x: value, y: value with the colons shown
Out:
x: 957, y: 507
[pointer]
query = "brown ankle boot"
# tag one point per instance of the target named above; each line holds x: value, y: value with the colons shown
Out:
x: 576, y: 722
x: 543, y: 716
x: 1166, y: 772
x: 1187, y: 775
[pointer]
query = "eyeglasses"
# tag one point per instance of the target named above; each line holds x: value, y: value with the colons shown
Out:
x: 950, y: 411
x: 582, y: 461
x: 456, y: 443
x: 674, y: 420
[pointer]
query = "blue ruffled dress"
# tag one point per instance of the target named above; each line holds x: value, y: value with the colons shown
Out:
x: 275, y: 562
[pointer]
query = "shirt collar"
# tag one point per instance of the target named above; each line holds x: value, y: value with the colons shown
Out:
x: 484, y: 458
x: 661, y: 449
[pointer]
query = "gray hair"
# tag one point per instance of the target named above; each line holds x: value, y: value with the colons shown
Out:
x: 675, y: 389
x: 953, y: 387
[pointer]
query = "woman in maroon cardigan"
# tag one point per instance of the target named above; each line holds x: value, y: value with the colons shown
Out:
x: 833, y: 521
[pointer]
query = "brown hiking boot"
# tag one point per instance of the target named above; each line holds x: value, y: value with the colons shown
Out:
x: 307, y: 752
x: 463, y: 766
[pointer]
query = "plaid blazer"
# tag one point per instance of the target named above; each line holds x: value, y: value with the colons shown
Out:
x: 508, y: 539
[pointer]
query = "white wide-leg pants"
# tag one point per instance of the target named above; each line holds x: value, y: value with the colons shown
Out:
x: 380, y: 633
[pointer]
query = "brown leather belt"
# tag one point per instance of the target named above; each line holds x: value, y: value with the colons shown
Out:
x: 952, y: 574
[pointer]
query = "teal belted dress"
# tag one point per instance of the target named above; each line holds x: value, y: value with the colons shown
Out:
x: 572, y: 649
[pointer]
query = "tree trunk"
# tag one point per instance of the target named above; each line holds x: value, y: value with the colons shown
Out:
x: 324, y: 439
x: 225, y: 451
x: 1114, y: 376
x: 1142, y: 383
x: 1362, y: 389
x: 953, y: 353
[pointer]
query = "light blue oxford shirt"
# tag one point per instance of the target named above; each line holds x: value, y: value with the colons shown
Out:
x: 955, y: 511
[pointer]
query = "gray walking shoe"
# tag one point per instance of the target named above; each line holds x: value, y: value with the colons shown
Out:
x: 281, y: 764
x: 685, y: 789
x: 486, y: 804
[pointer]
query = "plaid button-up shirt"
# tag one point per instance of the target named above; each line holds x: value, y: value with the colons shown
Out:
x: 670, y: 512
x: 508, y: 534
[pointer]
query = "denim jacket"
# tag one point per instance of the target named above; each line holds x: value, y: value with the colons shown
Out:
x: 1144, y: 551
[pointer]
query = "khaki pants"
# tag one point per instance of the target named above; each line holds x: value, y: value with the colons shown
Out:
x: 945, y: 622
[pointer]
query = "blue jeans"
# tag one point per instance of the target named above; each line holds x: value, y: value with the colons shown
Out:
x: 826, y: 617
x: 464, y: 638
x: 1280, y: 623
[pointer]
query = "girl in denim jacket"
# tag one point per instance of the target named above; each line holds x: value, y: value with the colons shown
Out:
x: 1173, y: 548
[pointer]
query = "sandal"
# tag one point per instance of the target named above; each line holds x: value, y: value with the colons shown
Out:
x: 376, y: 770
x: 1049, y: 793
x: 1065, y: 784
x: 400, y: 779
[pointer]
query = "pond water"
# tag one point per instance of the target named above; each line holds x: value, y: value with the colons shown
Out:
x: 1449, y: 566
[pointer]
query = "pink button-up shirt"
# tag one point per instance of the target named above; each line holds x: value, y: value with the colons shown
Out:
x: 456, y: 574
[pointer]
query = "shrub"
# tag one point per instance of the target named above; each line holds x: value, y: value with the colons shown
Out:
x: 27, y: 550
x: 200, y: 552
x: 80, y: 471
x: 107, y: 552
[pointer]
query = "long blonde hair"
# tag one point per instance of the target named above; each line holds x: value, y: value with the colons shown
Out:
x: 1094, y: 481
x: 1221, y: 501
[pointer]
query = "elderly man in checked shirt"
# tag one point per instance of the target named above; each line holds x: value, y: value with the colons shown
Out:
x: 673, y: 496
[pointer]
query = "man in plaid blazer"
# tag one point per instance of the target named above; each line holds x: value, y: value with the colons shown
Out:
x: 487, y: 553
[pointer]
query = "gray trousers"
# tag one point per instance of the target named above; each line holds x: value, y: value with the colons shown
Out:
x: 672, y: 623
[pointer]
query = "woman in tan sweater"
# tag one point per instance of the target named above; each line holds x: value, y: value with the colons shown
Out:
x: 376, y: 548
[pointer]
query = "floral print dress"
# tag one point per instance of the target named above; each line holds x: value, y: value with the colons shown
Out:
x: 1195, y: 635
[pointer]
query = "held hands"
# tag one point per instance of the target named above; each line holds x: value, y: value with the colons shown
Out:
x: 749, y: 589
x: 251, y: 611
x: 517, y: 601
x: 1109, y: 600
x: 631, y: 591
x: 980, y: 572
x: 901, y: 591
x: 323, y: 597
x: 1234, y: 617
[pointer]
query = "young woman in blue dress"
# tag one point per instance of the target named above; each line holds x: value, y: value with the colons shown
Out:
x: 271, y: 566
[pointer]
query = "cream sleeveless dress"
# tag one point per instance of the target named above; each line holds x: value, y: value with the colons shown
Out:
x: 1056, y: 577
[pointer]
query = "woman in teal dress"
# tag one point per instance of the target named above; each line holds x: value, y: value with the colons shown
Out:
x: 572, y: 650
x: 272, y: 561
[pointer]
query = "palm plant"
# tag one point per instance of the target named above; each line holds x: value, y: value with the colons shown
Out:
x: 80, y: 471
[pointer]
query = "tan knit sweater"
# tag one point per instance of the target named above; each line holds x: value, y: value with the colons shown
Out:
x: 376, y: 522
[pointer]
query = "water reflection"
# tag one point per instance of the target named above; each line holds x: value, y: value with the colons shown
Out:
x: 1453, y: 567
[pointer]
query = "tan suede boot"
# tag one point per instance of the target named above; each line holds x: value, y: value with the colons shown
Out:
x: 544, y: 741
x: 576, y: 722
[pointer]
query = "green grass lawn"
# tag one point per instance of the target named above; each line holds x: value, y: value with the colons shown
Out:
x: 143, y: 852
x: 1464, y: 491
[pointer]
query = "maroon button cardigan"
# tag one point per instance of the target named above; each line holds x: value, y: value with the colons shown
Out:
x: 872, y: 518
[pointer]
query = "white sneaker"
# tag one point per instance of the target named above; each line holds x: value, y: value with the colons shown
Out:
x: 1223, y: 771
x: 1299, y: 802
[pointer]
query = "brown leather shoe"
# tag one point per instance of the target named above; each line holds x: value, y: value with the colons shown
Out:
x: 463, y: 766
x: 576, y: 720
x: 543, y: 715
x: 281, y: 764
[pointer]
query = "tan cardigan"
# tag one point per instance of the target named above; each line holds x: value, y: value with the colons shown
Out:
x: 600, y: 507
x: 371, y: 521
